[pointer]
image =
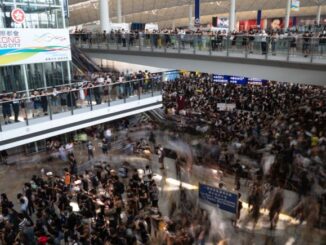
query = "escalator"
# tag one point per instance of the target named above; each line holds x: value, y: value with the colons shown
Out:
x: 82, y: 62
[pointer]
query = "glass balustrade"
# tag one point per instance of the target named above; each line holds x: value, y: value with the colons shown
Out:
x: 29, y: 108
x: 287, y: 48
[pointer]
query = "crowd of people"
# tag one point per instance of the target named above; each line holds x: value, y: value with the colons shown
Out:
x: 273, y: 134
x: 98, y: 87
x: 114, y: 203
x: 269, y: 41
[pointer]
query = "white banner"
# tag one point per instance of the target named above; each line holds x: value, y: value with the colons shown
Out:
x: 26, y: 46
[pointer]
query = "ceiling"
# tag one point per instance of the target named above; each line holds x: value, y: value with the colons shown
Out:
x: 167, y: 13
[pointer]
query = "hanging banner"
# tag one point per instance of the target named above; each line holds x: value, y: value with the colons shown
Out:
x: 259, y: 18
x: 197, y: 12
x: 26, y: 46
x: 295, y: 5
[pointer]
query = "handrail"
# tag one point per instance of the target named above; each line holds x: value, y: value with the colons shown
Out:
x: 73, y: 90
x: 285, y: 36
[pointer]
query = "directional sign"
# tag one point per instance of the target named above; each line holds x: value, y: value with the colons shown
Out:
x: 225, y: 200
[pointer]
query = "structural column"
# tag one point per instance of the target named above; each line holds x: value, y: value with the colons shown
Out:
x: 104, y: 15
x: 190, y: 16
x: 287, y: 15
x: 318, y: 15
x: 119, y: 11
x: 232, y: 16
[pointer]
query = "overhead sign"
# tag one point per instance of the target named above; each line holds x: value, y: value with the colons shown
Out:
x: 257, y: 81
x: 220, y: 78
x: 238, y: 80
x: 26, y: 46
x: 18, y: 15
x: 223, y: 199
x: 295, y: 5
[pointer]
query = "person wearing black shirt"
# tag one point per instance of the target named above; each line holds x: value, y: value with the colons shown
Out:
x: 6, y: 107
x: 15, y: 105
x: 322, y: 42
x: 306, y: 43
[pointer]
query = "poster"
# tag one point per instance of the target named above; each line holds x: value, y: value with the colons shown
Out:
x: 295, y: 5
x: 223, y: 22
x: 27, y: 46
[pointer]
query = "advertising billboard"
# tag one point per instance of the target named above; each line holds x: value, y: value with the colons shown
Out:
x: 27, y: 46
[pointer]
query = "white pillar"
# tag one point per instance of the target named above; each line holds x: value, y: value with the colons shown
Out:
x: 287, y: 15
x: 119, y: 11
x: 318, y: 15
x: 104, y: 15
x: 191, y: 24
x: 232, y: 16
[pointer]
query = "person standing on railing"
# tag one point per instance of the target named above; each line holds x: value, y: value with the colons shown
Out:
x: 182, y: 34
x: 63, y: 99
x: 35, y: 103
x: 55, y: 100
x: 15, y: 105
x: 44, y: 102
x: 6, y: 107
x: 123, y: 37
x: 274, y: 39
x: 251, y: 35
x: 131, y: 38
x: 307, y: 41
x: 292, y: 38
x: 264, y: 42
x: 245, y: 41
x: 322, y: 42
x: 219, y: 40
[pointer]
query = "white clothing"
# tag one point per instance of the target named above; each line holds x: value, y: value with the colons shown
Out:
x: 81, y: 94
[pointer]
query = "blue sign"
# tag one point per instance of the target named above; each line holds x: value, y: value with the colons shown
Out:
x: 220, y: 78
x: 224, y: 200
x: 197, y: 12
x: 259, y: 18
x: 238, y: 80
x: 257, y: 81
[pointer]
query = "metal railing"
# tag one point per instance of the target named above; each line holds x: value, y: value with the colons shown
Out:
x: 72, y: 99
x: 287, y: 48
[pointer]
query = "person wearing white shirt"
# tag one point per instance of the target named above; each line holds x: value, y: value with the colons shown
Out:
x: 264, y: 40
x: 108, y: 135
x: 23, y: 200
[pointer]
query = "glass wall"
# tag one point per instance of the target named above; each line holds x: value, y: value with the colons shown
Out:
x: 38, y: 76
x: 11, y: 78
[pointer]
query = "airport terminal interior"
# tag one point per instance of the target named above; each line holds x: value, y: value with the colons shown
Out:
x: 151, y: 122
